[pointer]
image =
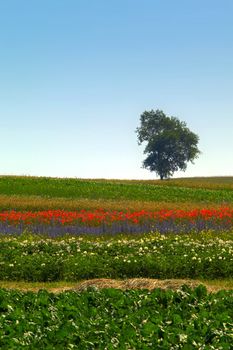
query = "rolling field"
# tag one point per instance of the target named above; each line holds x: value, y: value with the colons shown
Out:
x: 39, y: 193
x: 124, y: 234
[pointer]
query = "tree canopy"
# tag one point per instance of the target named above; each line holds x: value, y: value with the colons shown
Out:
x: 170, y: 144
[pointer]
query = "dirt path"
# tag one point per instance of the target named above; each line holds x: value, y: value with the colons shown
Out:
x: 133, y: 283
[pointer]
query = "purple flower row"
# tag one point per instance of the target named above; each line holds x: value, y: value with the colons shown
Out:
x: 164, y: 227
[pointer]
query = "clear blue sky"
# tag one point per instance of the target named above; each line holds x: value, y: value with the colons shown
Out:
x: 75, y: 75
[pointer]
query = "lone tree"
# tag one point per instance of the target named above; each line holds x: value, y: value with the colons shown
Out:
x: 170, y: 144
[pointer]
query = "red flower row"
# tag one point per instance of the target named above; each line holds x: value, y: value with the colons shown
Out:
x: 102, y: 216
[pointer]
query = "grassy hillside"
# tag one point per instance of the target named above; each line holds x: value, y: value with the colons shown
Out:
x: 18, y: 192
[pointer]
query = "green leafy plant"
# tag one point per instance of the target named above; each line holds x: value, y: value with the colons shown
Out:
x: 113, y: 319
x: 152, y: 256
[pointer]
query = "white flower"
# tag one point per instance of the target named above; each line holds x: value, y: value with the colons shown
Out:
x: 183, y: 337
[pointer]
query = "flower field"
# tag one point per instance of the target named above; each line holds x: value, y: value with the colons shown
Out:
x: 72, y: 230
x: 153, y: 256
x: 59, y: 222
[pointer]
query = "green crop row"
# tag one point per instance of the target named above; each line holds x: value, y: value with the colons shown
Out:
x: 152, y: 256
x: 114, y: 319
x: 110, y: 190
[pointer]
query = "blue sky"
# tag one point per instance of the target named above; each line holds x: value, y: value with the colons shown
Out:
x: 75, y: 75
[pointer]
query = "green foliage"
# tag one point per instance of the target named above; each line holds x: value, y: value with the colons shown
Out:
x: 151, y: 256
x: 111, y: 190
x: 113, y: 319
x: 170, y: 144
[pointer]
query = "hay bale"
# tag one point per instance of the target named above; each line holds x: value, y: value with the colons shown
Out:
x: 134, y: 283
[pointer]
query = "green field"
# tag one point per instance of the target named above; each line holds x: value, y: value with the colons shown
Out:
x: 152, y: 256
x: 32, y: 193
x: 182, y: 318
x: 114, y: 319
